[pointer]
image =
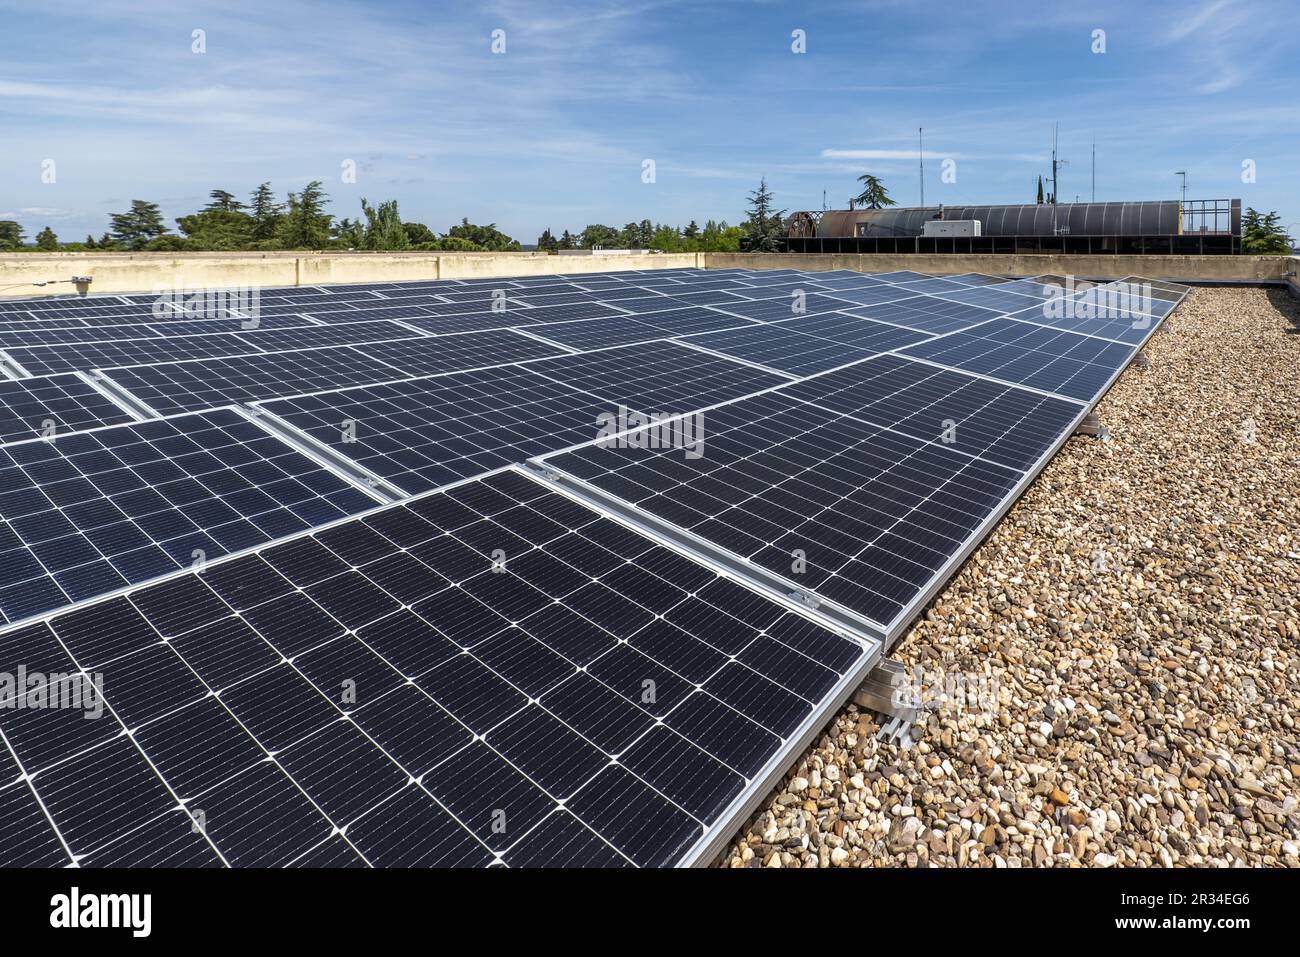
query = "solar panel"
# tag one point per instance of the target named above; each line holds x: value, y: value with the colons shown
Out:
x: 51, y: 405
x: 783, y: 307
x: 94, y: 511
x: 43, y: 360
x: 786, y: 347
x: 868, y: 516
x: 423, y: 433
x: 925, y: 313
x: 1064, y: 363
x: 590, y: 334
x: 610, y: 702
x: 1001, y: 423
x: 493, y: 632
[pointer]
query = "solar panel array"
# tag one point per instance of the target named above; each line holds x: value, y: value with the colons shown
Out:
x: 555, y: 570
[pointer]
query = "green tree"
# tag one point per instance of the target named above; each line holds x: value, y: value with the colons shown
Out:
x: 383, y: 227
x: 11, y: 234
x: 458, y: 244
x: 547, y: 240
x: 306, y: 225
x: 629, y: 237
x: 218, y: 227
x: 167, y: 244
x: 90, y: 242
x: 597, y: 235
x: 1262, y: 234
x: 487, y: 237
x: 873, y: 195
x: 266, y: 214
x: 418, y: 234
x: 224, y: 201
x: 46, y: 239
x: 765, y: 224
x: 140, y: 224
x: 667, y: 238
x: 568, y: 241
x: 1040, y: 189
x: 692, y: 230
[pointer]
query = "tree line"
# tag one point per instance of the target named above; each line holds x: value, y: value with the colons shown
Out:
x: 301, y: 221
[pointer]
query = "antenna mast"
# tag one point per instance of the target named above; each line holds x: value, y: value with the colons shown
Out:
x: 920, y: 153
x: 1094, y: 167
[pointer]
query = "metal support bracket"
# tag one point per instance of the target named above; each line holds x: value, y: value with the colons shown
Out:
x: 887, y: 690
x: 1092, y: 425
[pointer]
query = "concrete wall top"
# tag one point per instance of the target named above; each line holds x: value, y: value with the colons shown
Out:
x: 146, y: 272
x: 1203, y: 268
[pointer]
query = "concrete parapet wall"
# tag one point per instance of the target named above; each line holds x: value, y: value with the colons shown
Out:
x: 1204, y: 268
x: 145, y: 272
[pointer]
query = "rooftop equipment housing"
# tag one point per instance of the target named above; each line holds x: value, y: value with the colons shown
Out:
x: 1194, y: 227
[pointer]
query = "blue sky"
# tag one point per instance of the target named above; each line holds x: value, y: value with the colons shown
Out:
x: 554, y: 131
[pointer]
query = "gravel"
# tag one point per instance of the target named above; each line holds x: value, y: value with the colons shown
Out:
x: 1126, y: 639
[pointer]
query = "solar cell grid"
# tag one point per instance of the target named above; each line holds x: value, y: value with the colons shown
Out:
x: 875, y: 513
x: 94, y: 511
x: 925, y: 313
x: 500, y: 635
x: 1001, y: 423
x: 32, y: 407
x: 396, y: 767
x: 1052, y: 360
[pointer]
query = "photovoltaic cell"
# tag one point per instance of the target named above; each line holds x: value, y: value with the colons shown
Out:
x: 53, y: 404
x: 1001, y: 423
x: 95, y: 511
x: 1071, y: 365
x: 530, y: 743
x: 875, y: 513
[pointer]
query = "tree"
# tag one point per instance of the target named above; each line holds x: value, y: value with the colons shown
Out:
x: 1263, y: 235
x: 11, y: 234
x: 418, y: 234
x: 599, y: 236
x: 140, y: 224
x: 667, y: 238
x: 306, y: 225
x: 568, y: 241
x: 692, y: 230
x: 218, y: 226
x: 457, y: 244
x: 764, y: 225
x: 266, y: 214
x: 224, y: 201
x: 873, y: 195
x: 383, y: 228
x: 1040, y: 189
x: 487, y: 237
x: 46, y: 239
x: 90, y: 242
x: 547, y: 240
x: 166, y: 244
x: 629, y: 237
